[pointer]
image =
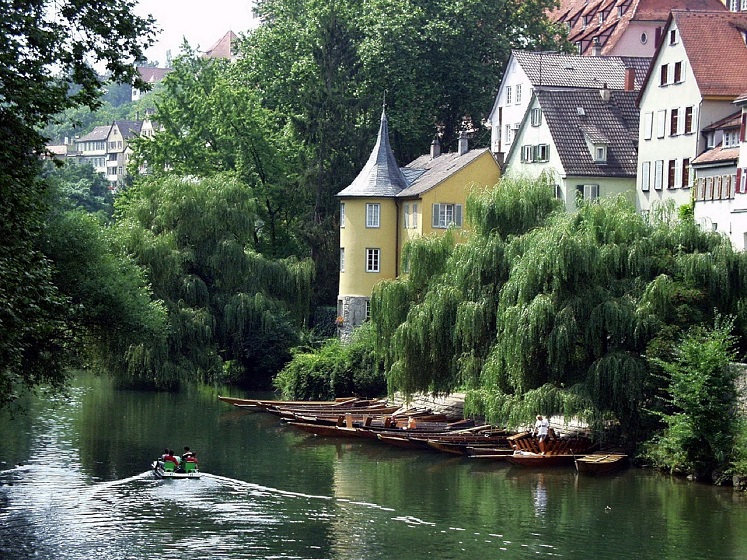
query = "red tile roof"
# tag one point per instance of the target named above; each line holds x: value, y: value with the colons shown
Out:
x: 613, y: 26
x: 718, y: 154
x: 152, y: 75
x: 223, y: 47
x: 710, y: 37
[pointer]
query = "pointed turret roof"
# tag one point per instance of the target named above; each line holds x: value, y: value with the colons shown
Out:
x: 381, y: 176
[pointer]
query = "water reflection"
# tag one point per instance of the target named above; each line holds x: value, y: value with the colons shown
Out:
x: 83, y: 491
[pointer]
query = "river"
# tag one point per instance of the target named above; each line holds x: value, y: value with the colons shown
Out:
x: 75, y: 484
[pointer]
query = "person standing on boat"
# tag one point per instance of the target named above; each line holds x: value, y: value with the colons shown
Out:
x: 541, y: 428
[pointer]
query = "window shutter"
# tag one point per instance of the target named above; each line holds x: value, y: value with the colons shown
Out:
x: 681, y: 121
x: 743, y: 128
x: 739, y: 181
x: 436, y: 214
x: 458, y: 215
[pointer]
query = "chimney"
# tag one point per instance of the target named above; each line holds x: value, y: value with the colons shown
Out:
x: 435, y: 147
x: 605, y: 93
x: 630, y: 79
x: 596, y: 48
x: 463, y: 143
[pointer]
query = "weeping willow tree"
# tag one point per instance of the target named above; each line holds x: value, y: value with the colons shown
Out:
x: 543, y: 311
x: 232, y: 311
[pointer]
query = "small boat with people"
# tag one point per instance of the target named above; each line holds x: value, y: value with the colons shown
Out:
x: 169, y: 465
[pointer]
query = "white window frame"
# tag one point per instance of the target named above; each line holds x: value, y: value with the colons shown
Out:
x: 509, y: 96
x: 446, y: 214
x: 518, y: 94
x: 646, y: 176
x: 536, y: 116
x: 692, y: 120
x: 600, y: 154
x: 674, y: 114
x: 542, y: 152
x: 342, y: 259
x: 414, y: 221
x: 658, y: 174
x: 373, y: 215
x: 406, y: 215
x: 342, y: 214
x: 527, y: 153
x: 373, y: 259
x: 588, y: 193
x: 508, y: 134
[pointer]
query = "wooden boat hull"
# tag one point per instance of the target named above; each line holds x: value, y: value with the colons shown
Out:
x: 489, y: 453
x: 539, y: 461
x: 601, y: 463
x: 325, y: 430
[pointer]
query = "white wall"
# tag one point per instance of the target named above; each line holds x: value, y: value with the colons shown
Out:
x: 504, y: 113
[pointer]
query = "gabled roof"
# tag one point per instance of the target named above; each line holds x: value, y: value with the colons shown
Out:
x: 614, y: 26
x: 714, y: 36
x: 567, y: 70
x: 98, y: 133
x: 152, y: 75
x: 613, y: 123
x: 381, y: 176
x: 732, y: 121
x: 426, y: 172
x: 223, y: 47
x: 128, y: 129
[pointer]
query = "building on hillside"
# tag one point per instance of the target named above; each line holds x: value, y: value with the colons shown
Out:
x: 92, y: 148
x: 697, y: 72
x: 584, y: 139
x: 149, y: 75
x: 386, y: 206
x: 117, y: 156
x: 223, y: 47
x: 528, y: 70
x: 622, y: 28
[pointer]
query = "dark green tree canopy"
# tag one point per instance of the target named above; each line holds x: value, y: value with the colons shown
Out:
x: 46, y: 48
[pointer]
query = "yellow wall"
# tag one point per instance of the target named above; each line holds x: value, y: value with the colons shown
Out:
x: 482, y: 173
x: 355, y: 238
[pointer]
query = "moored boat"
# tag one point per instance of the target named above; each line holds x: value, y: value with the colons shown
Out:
x: 538, y: 460
x: 601, y: 463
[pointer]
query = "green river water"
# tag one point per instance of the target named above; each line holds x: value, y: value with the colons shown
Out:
x: 75, y: 484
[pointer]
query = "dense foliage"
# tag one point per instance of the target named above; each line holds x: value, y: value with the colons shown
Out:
x: 701, y: 421
x: 232, y: 311
x: 46, y: 48
x: 543, y: 311
x: 334, y: 370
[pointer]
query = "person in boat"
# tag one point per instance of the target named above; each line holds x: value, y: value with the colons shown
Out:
x: 541, y: 429
x: 188, y: 455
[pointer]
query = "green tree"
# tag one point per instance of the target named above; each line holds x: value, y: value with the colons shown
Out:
x: 701, y: 420
x: 79, y: 186
x: 543, y: 310
x: 213, y: 123
x: 47, y: 48
x: 225, y: 301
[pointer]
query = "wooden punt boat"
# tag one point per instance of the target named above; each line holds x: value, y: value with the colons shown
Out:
x: 600, y: 463
x: 263, y: 404
x: 325, y: 430
x: 463, y: 448
x: 539, y: 461
x: 403, y: 441
x: 489, y: 453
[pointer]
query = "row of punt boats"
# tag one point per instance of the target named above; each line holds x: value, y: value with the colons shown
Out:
x: 414, y: 428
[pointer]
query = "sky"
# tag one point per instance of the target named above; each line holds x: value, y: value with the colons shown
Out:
x: 202, y: 22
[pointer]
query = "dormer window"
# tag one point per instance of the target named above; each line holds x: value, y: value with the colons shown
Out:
x: 600, y: 153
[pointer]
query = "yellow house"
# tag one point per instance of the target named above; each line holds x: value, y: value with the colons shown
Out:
x: 385, y: 206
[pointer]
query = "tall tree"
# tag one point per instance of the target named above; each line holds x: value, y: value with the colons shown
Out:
x: 232, y: 311
x: 46, y: 48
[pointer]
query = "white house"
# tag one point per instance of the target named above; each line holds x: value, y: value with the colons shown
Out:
x: 528, y: 70
x: 698, y: 70
x: 583, y: 138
